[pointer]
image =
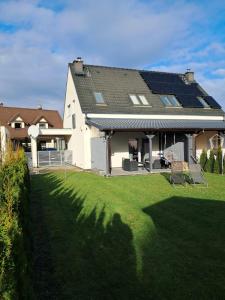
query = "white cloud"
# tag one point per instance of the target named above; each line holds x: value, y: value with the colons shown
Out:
x: 131, y: 33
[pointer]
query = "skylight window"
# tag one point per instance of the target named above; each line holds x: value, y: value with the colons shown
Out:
x: 134, y: 99
x: 138, y: 99
x: 143, y: 99
x: 99, y: 98
x: 203, y: 102
x: 170, y: 101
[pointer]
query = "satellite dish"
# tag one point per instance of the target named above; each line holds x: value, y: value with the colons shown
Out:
x: 33, y: 131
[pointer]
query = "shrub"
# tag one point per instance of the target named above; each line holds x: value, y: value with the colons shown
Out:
x: 203, y: 159
x: 218, y: 162
x: 210, y: 162
x: 14, y: 186
x: 224, y: 164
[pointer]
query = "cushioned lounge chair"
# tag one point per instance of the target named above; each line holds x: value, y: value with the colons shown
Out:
x: 177, y: 173
x: 196, y: 174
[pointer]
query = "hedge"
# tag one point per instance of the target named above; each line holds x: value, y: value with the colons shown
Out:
x: 213, y: 164
x: 14, y: 192
x: 203, y: 159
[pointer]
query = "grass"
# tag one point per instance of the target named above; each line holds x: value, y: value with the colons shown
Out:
x: 127, y: 238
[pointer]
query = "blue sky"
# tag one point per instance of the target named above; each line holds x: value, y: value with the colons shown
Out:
x: 39, y: 37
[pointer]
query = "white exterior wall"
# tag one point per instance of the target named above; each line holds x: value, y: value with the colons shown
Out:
x: 79, y: 142
x: 120, y: 150
x: 5, y: 136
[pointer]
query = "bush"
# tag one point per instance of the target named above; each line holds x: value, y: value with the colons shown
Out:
x: 210, y: 162
x: 14, y: 186
x: 224, y: 164
x: 203, y: 159
x: 218, y: 162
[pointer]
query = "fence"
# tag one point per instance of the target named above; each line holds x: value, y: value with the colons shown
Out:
x: 51, y: 158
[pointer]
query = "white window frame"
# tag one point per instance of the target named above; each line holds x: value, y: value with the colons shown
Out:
x: 43, y: 123
x: 18, y: 122
x: 134, y: 99
x: 167, y: 102
x: 98, y: 100
x: 143, y: 100
x: 203, y: 102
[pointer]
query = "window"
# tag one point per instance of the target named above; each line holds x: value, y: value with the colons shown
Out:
x: 99, y: 98
x: 73, y: 121
x: 143, y: 99
x: 18, y: 125
x: 42, y: 125
x: 138, y: 99
x: 170, y: 101
x: 203, y: 102
x: 134, y: 99
x: 133, y: 149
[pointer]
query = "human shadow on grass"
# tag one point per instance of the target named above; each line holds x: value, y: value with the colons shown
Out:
x: 187, y: 258
x: 83, y: 253
x: 89, y: 254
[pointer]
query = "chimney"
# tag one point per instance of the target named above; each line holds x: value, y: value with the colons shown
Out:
x: 79, y: 66
x: 189, y: 76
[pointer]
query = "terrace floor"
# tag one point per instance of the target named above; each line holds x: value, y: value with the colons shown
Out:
x: 140, y: 171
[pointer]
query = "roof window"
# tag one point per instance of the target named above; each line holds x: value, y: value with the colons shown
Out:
x: 138, y: 99
x: 99, y: 98
x: 170, y: 101
x: 203, y: 102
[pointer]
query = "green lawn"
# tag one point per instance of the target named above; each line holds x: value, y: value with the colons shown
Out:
x: 127, y: 238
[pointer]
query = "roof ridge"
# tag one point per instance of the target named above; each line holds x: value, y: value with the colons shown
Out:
x: 132, y: 69
x: 36, y: 109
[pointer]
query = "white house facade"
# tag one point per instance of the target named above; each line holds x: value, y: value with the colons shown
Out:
x: 118, y: 114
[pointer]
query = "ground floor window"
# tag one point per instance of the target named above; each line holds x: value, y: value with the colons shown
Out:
x: 133, y: 149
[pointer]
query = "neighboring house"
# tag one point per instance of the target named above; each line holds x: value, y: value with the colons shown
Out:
x: 118, y: 113
x: 17, y: 121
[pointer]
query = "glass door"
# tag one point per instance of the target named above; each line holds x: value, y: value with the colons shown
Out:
x: 133, y: 149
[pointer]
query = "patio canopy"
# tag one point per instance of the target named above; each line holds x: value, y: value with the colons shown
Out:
x: 138, y: 124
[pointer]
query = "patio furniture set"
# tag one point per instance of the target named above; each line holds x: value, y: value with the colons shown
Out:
x: 181, y: 172
x: 133, y: 165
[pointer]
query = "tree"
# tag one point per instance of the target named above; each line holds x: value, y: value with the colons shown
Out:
x: 203, y: 159
x: 218, y: 161
x: 211, y: 162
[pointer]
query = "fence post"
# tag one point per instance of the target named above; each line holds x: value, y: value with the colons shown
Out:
x: 61, y: 157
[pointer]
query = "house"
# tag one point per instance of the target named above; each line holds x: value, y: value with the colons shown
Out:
x: 118, y: 113
x: 17, y: 120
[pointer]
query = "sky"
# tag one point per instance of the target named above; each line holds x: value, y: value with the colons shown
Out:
x: 38, y: 38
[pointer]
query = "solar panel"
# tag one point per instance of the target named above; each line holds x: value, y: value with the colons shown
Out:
x: 212, y: 102
x: 161, y: 77
x: 189, y: 101
x: 173, y: 84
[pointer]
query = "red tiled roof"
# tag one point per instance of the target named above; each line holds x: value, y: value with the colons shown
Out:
x: 29, y: 116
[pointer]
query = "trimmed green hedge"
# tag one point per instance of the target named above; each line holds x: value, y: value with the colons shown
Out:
x: 14, y: 192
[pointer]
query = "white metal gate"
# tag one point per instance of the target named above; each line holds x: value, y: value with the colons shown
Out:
x: 54, y: 158
x: 51, y: 158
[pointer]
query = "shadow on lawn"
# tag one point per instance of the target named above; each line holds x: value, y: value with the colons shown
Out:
x: 79, y: 252
x: 187, y: 258
x: 82, y: 256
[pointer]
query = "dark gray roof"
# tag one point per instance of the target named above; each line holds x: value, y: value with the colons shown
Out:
x: 116, y: 84
x: 123, y: 124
